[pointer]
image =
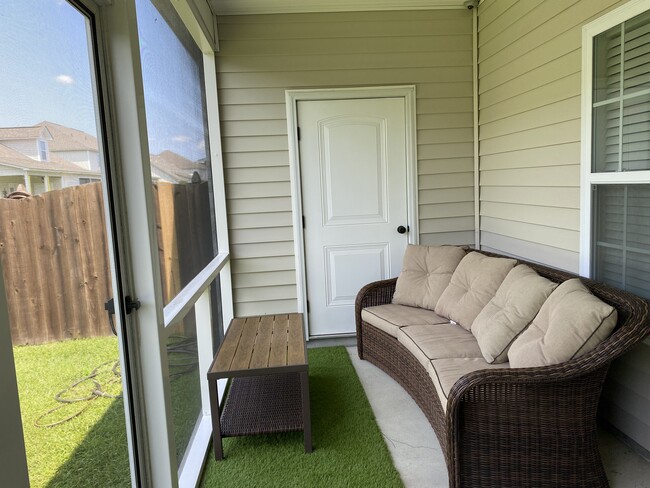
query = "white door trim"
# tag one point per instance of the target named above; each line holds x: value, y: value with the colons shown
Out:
x: 292, y: 97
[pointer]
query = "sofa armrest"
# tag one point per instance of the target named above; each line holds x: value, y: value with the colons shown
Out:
x: 509, y: 408
x: 371, y: 295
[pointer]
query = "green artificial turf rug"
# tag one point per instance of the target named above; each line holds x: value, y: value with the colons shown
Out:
x: 349, y: 449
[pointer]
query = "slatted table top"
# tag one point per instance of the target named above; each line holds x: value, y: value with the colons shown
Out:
x: 260, y: 343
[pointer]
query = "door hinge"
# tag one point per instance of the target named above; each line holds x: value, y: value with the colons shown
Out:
x: 303, y: 221
x: 307, y: 306
x: 298, y: 131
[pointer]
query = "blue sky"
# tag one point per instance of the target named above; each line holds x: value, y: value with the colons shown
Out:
x: 44, y: 68
x: 45, y: 74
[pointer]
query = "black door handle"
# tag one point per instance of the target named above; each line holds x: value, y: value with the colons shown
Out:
x: 130, y: 305
x: 109, y: 306
x: 402, y: 230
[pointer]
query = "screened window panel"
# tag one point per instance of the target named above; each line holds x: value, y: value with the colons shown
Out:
x: 621, y: 112
x: 622, y: 236
x: 607, y: 65
x: 609, y: 265
x: 636, y: 65
x: 635, y: 151
x: 637, y: 272
x: 610, y: 212
x: 177, y: 129
x: 606, y: 120
x: 638, y: 217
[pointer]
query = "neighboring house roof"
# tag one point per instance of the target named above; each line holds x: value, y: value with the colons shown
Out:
x: 16, y: 133
x: 68, y: 139
x: 167, y: 165
x: 15, y: 159
x: 175, y: 168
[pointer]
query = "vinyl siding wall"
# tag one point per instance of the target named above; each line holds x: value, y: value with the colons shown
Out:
x: 28, y: 147
x: 84, y: 159
x: 261, y: 56
x: 529, y: 133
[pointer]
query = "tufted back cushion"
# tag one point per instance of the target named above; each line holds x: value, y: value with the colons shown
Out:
x: 473, y: 284
x: 426, y: 272
x: 570, y: 323
x: 512, y: 309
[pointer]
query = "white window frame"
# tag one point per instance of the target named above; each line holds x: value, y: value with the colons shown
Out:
x: 588, y: 178
x: 42, y: 150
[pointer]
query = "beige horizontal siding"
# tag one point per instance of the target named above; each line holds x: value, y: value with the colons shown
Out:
x: 556, y: 90
x: 567, y: 197
x: 529, y: 121
x: 448, y: 238
x: 264, y: 264
x: 529, y: 126
x: 520, y: 248
x: 261, y: 56
x: 247, y: 309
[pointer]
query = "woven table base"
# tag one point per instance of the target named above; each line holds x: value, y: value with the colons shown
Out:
x: 262, y: 405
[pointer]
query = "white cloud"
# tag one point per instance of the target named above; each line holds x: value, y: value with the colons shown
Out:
x: 65, y: 79
x: 180, y: 138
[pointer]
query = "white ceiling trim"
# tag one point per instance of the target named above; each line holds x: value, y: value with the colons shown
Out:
x: 251, y: 7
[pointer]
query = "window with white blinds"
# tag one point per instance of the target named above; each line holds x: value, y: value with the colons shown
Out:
x: 621, y: 254
x: 620, y: 156
x: 621, y: 97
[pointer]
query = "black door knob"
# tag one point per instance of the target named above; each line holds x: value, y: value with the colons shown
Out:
x: 401, y: 229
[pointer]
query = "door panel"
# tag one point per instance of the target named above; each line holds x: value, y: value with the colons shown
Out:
x: 346, y: 266
x: 353, y: 176
x: 353, y: 161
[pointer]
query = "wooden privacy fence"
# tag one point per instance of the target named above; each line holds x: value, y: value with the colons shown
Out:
x: 55, y: 261
x: 55, y: 265
x: 185, y: 238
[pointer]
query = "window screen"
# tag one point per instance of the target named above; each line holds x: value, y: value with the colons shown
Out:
x: 621, y: 143
x: 621, y: 108
x: 622, y: 236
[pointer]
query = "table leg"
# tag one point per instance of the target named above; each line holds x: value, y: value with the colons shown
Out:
x: 216, y: 420
x: 306, y: 410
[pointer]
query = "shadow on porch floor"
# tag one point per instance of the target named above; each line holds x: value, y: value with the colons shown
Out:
x: 416, y: 451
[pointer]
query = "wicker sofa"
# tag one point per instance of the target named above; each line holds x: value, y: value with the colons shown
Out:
x: 506, y: 427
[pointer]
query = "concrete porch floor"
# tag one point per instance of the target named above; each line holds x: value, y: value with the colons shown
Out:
x: 416, y: 451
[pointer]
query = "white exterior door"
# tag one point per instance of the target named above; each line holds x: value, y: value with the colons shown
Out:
x: 354, y: 197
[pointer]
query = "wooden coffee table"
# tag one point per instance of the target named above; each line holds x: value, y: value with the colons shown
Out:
x: 266, y: 357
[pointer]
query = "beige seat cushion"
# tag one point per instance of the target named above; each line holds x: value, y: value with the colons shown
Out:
x: 510, y: 311
x: 426, y: 271
x: 445, y: 372
x: 570, y: 323
x: 475, y: 281
x: 391, y: 317
x: 427, y: 342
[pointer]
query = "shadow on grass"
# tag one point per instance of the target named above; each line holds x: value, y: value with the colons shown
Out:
x: 102, y: 459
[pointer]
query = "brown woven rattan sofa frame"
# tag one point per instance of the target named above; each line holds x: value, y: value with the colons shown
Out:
x: 532, y: 427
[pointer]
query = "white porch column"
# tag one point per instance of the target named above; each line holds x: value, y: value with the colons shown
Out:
x: 28, y: 183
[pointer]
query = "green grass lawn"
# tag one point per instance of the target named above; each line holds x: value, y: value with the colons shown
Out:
x: 90, y: 449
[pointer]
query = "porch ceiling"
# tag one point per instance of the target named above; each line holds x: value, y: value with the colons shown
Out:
x: 249, y: 7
